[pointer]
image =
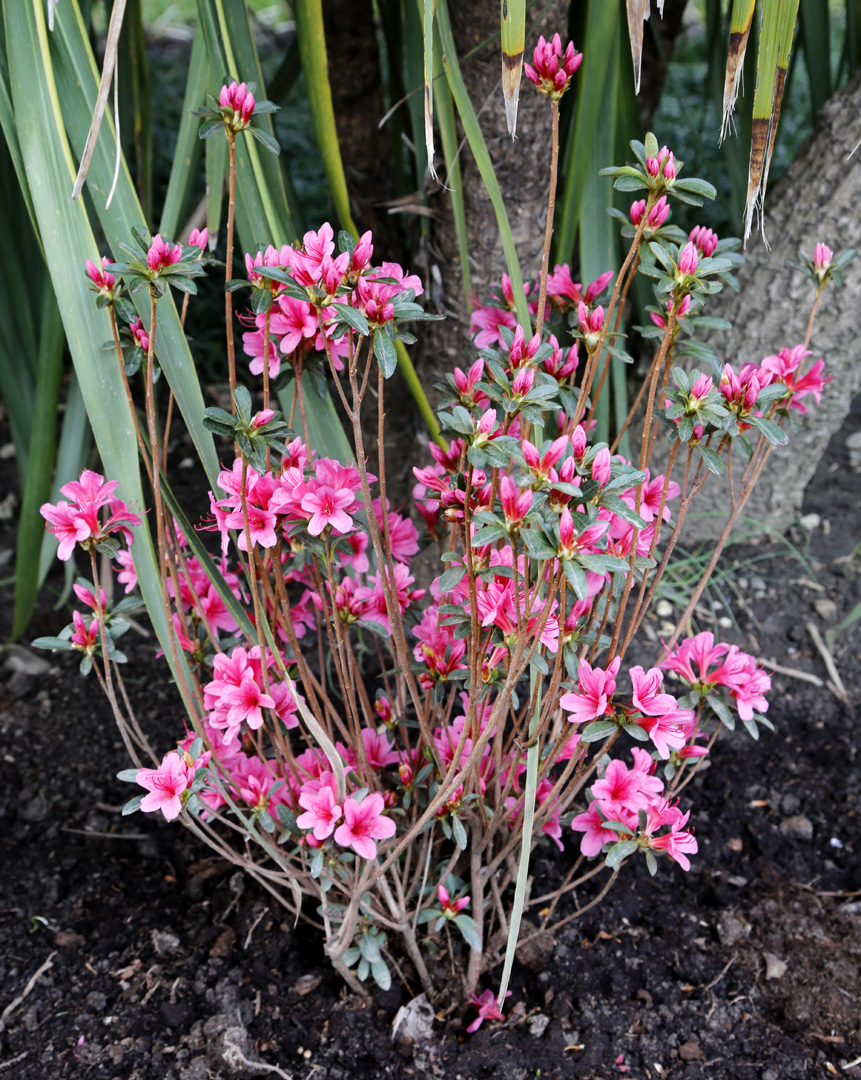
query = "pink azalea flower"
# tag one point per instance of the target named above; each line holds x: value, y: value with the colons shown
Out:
x: 595, y: 832
x: 162, y: 254
x: 705, y: 240
x: 103, y: 281
x: 449, y: 906
x: 486, y: 1005
x: 364, y: 823
x: 647, y: 696
x: 166, y: 785
x: 127, y: 576
x: 620, y: 789
x: 596, y: 687
x: 247, y: 702
x: 320, y: 800
x: 327, y: 507
x: 67, y: 524
x: 667, y: 732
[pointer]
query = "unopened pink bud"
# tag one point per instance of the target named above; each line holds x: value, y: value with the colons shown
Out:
x: 659, y: 213
x: 822, y: 257
x: 601, y: 466
x: 199, y: 238
x: 638, y: 208
x: 262, y: 418
x: 705, y: 239
x: 689, y: 259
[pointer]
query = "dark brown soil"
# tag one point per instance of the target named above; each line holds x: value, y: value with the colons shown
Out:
x: 125, y: 952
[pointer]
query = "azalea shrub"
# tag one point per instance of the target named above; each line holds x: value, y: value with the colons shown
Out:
x: 383, y: 753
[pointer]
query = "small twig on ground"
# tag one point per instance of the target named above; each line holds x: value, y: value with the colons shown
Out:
x: 13, y: 1005
x: 20, y: 1057
x: 150, y: 992
x: 792, y: 673
x: 718, y: 978
x: 105, y: 836
x: 249, y: 1064
x: 837, y: 688
x: 265, y: 911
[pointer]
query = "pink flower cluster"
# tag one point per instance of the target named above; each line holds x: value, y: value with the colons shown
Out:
x: 705, y: 667
x: 620, y: 796
x: 297, y: 326
x: 92, y: 514
x: 240, y: 100
x: 101, y: 279
x: 657, y: 713
x: 162, y: 254
x: 551, y: 68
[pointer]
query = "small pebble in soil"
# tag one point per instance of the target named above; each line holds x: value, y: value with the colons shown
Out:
x: 826, y: 609
x: 797, y: 826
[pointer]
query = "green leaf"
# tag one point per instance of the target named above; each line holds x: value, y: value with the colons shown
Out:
x: 619, y: 852
x: 775, y: 435
x: 722, y: 710
x: 353, y: 318
x: 265, y: 139
x: 713, y: 462
x: 52, y: 643
x: 469, y: 931
x: 598, y: 729
x: 386, y: 354
x: 459, y: 832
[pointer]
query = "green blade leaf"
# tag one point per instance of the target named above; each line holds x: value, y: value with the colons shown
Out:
x: 77, y: 83
x: 40, y: 465
x: 186, y: 153
x: 68, y: 239
x: 312, y: 50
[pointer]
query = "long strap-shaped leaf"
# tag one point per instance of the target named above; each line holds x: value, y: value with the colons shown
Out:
x: 638, y: 12
x: 187, y: 151
x: 602, y: 21
x: 788, y: 16
x: 68, y: 239
x: 427, y: 11
x: 598, y: 232
x: 478, y: 146
x: 454, y: 176
x: 763, y: 104
x: 75, y: 71
x: 739, y: 32
x: 815, y: 36
x: 40, y: 465
x: 312, y: 50
x: 512, y: 29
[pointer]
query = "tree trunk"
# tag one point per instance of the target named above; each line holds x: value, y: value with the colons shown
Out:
x: 817, y: 198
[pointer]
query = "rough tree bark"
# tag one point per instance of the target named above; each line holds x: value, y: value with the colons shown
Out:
x: 817, y: 198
